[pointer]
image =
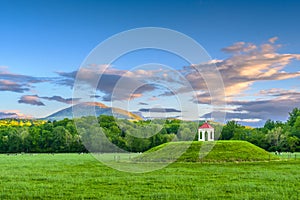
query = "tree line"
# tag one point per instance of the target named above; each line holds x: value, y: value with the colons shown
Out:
x: 108, y: 134
x: 84, y: 135
x: 273, y: 136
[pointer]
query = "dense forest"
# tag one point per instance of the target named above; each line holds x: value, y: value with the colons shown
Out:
x: 82, y: 135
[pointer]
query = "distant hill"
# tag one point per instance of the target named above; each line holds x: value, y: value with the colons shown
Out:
x: 222, y: 151
x: 84, y: 109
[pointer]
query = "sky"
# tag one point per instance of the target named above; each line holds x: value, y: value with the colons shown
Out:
x: 254, y: 45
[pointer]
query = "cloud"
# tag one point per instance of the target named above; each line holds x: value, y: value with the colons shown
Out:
x: 18, y: 83
x: 160, y: 110
x: 36, y: 100
x: 257, y: 112
x: 167, y: 93
x: 7, y: 85
x: 122, y: 84
x: 6, y: 75
x: 116, y: 84
x: 95, y: 96
x: 280, y: 93
x: 239, y: 47
x: 246, y: 120
x: 66, y: 78
x: 153, y: 98
x: 276, y: 108
x: 202, y: 98
x: 31, y: 99
x: 247, y: 65
x: 142, y: 103
x: 4, y: 114
x: 273, y: 39
x: 61, y: 99
x: 265, y: 109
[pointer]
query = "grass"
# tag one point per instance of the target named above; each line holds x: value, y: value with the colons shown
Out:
x: 288, y: 155
x: 74, y: 176
x: 220, y: 151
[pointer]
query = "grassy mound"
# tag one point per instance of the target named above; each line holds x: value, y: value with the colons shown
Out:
x: 218, y: 151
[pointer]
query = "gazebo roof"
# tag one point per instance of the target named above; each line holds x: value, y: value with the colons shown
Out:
x: 206, y: 125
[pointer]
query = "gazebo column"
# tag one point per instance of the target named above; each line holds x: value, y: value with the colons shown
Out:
x: 211, y: 135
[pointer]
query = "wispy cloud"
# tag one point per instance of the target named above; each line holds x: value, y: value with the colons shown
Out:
x: 61, y: 99
x: 153, y: 98
x: 7, y: 85
x: 13, y: 114
x: 279, y: 93
x: 36, y: 100
x: 273, y: 39
x: 31, y: 100
x: 17, y: 82
x: 159, y: 110
x: 143, y: 103
x: 239, y: 47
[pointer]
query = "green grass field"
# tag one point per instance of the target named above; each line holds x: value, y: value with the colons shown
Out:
x: 74, y: 176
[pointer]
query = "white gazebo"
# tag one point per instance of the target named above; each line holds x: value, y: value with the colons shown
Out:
x: 206, y: 132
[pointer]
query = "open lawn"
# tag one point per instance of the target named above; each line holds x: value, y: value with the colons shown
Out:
x: 74, y: 176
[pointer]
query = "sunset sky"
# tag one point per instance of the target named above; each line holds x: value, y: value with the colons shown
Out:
x: 253, y: 44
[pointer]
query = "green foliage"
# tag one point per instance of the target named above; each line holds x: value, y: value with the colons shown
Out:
x: 232, y: 130
x: 269, y: 124
x: 20, y: 135
x: 58, y: 136
x: 295, y: 129
x: 293, y: 116
x: 96, y: 135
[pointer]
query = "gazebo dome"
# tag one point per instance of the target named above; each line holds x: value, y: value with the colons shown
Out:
x: 205, y: 125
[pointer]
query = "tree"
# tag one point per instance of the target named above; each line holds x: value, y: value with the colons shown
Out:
x: 295, y: 130
x: 135, y: 144
x: 61, y: 139
x: 185, y: 134
x: 269, y: 124
x: 293, y: 142
x: 34, y: 139
x: 293, y: 116
x: 15, y: 142
x: 228, y: 130
x: 239, y: 133
x: 273, y: 138
x: 257, y: 137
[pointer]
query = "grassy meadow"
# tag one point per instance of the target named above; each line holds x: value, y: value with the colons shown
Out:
x: 217, y: 151
x: 75, y: 176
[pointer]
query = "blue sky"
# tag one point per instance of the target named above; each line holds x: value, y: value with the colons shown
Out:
x: 41, y: 40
